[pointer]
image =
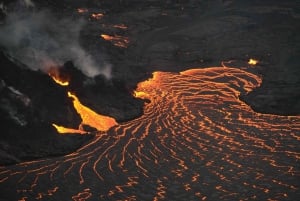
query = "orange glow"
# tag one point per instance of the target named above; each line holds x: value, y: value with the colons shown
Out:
x: 63, y: 130
x: 62, y: 83
x: 82, y: 10
x: 140, y: 94
x: 252, y: 61
x: 107, y: 37
x: 97, y: 16
x: 82, y: 196
x: 195, y: 129
x: 120, y: 26
x: 91, y: 118
x: 55, y: 75
x: 119, y: 41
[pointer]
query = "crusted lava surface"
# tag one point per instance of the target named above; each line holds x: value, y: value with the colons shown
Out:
x: 163, y: 36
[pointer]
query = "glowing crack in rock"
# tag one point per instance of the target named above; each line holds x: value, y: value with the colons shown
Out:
x: 196, y: 140
x: 55, y: 75
x: 119, y: 41
x: 62, y: 83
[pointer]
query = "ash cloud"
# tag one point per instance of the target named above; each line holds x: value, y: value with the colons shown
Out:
x: 42, y: 40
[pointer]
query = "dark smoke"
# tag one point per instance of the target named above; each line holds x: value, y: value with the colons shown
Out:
x: 42, y: 40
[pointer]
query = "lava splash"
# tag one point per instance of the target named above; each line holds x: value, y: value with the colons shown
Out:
x: 195, y: 141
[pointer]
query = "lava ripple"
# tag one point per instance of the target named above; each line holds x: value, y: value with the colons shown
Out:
x: 195, y: 141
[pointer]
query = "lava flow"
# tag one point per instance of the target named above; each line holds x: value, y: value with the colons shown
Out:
x: 64, y: 130
x: 97, y: 16
x: 55, y: 74
x: 91, y: 118
x: 88, y: 116
x: 82, y: 10
x: 195, y: 141
x: 119, y: 41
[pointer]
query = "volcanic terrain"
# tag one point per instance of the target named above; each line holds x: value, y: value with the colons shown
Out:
x: 149, y: 100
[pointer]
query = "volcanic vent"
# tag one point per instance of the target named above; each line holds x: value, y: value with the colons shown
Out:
x: 43, y: 92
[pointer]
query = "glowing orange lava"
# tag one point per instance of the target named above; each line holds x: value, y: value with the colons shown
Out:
x: 97, y: 16
x: 141, y: 93
x: 64, y: 130
x: 88, y: 116
x: 253, y: 61
x: 91, y: 118
x: 56, y: 76
x: 119, y: 41
x: 82, y: 10
x: 62, y: 83
x: 205, y: 141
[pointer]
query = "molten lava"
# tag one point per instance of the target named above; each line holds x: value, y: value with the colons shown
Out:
x: 252, y: 62
x: 119, y: 41
x: 62, y: 83
x: 88, y: 116
x: 97, y: 16
x: 64, y: 130
x: 141, y: 93
x: 91, y: 118
x: 82, y: 10
x: 57, y: 77
x: 205, y: 141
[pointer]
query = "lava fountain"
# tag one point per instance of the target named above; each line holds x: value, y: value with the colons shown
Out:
x: 195, y: 141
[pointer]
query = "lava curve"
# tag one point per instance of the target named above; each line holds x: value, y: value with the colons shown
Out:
x: 195, y: 141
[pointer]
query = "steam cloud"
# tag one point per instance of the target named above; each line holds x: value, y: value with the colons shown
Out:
x: 42, y: 41
x: 28, y: 3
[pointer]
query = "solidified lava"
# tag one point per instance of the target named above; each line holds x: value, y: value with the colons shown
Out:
x: 208, y: 133
x: 195, y: 140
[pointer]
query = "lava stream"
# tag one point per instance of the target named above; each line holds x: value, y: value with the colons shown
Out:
x: 195, y: 141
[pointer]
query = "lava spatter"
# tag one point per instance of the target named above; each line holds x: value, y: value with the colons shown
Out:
x: 195, y: 141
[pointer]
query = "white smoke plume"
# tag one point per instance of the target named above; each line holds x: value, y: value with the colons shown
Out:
x: 28, y: 3
x: 41, y: 40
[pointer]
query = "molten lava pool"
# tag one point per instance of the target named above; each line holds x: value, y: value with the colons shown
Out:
x: 195, y: 141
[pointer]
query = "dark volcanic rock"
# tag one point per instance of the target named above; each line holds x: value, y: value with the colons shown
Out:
x: 191, y: 34
x: 30, y: 103
x: 171, y: 35
x: 46, y: 100
x: 111, y: 97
